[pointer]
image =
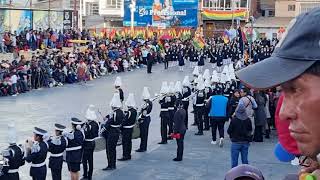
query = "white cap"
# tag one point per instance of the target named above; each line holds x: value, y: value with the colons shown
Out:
x: 145, y: 93
x: 231, y: 68
x: 116, y: 102
x: 206, y: 74
x: 186, y: 81
x: 196, y: 71
x: 207, y: 83
x: 164, y: 88
x: 12, y: 134
x: 130, y: 102
x: 200, y: 85
x: 178, y: 87
x: 171, y: 87
x: 118, y: 81
x: 91, y: 114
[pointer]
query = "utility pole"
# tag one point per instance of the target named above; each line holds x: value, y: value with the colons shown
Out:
x: 49, y: 15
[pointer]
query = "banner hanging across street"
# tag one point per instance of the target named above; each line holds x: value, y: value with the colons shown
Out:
x: 162, y: 13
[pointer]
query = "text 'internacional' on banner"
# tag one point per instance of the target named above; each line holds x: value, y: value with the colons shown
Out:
x: 162, y: 13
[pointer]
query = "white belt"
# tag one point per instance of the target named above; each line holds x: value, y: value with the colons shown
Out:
x: 115, y: 126
x: 73, y: 148
x: 164, y: 109
x: 38, y: 165
x: 11, y: 171
x: 186, y: 100
x: 128, y: 127
x: 89, y: 140
x: 199, y: 104
x: 147, y: 115
x: 56, y: 155
x: 171, y: 108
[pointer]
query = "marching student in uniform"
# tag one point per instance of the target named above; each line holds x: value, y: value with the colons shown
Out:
x: 74, y: 151
x: 206, y: 74
x: 181, y: 60
x: 186, y: 93
x: 117, y: 85
x: 207, y: 93
x: 200, y: 105
x: 57, y: 145
x: 37, y: 155
x: 214, y: 82
x: 164, y: 112
x: 178, y: 91
x: 196, y: 75
x: 144, y: 120
x: 171, y: 106
x: 201, y: 59
x: 112, y: 129
x: 91, y: 132
x: 179, y: 129
x: 127, y: 127
x: 14, y: 154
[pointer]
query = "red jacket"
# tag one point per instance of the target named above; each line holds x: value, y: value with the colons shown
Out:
x: 285, y: 139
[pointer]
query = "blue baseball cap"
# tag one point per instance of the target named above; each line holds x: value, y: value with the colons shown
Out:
x: 297, y: 51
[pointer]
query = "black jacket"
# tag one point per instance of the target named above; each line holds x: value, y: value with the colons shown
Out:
x: 240, y: 130
x: 178, y: 121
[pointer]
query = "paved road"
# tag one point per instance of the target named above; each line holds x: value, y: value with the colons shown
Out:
x: 202, y: 160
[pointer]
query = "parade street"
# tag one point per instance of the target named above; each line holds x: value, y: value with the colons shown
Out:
x: 202, y: 160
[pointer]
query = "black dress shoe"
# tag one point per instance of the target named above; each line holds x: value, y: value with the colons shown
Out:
x: 163, y: 142
x: 198, y: 134
x: 108, y: 168
x: 140, y: 150
x: 194, y: 124
x: 176, y: 159
x: 206, y: 129
x: 124, y: 159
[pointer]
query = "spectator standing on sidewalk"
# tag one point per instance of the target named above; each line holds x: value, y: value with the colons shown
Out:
x: 240, y: 134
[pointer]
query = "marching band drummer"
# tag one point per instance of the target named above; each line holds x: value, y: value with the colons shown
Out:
x: 37, y: 154
x: 117, y: 85
x: 57, y: 145
x: 111, y: 131
x: 144, y: 120
x: 127, y: 127
x: 91, y: 131
x: 75, y: 140
x: 14, y: 154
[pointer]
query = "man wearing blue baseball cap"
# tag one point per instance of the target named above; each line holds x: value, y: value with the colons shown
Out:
x: 295, y: 67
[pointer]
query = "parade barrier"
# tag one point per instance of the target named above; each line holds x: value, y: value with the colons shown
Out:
x: 6, y: 56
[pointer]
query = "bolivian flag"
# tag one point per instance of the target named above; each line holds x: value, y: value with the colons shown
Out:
x: 198, y: 43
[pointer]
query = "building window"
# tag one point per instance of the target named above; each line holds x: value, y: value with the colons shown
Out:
x: 291, y: 7
x: 111, y: 4
x: 271, y: 13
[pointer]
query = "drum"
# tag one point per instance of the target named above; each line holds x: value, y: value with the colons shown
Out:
x: 100, y: 144
x: 136, y: 132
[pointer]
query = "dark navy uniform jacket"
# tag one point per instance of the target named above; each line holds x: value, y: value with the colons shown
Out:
x: 91, y: 131
x: 164, y: 103
x: 145, y: 111
x: 37, y: 157
x: 200, y: 99
x: 130, y: 118
x: 114, y: 122
x: 57, y: 145
x: 15, y: 156
x: 74, y: 148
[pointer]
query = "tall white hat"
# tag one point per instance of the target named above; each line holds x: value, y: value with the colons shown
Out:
x: 116, y: 102
x: 186, y: 81
x: 91, y: 114
x: 164, y: 88
x: 214, y: 77
x: 130, y: 102
x: 145, y: 93
x: 233, y: 76
x: 225, y: 70
x: 206, y: 74
x: 199, y: 78
x: 196, y: 71
x: 178, y: 87
x: 223, y: 78
x: 118, y: 81
x: 12, y: 134
x: 200, y: 85
x: 228, y: 78
x: 207, y: 83
x: 171, y: 87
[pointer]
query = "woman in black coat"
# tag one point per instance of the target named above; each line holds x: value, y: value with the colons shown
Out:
x: 181, y: 59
